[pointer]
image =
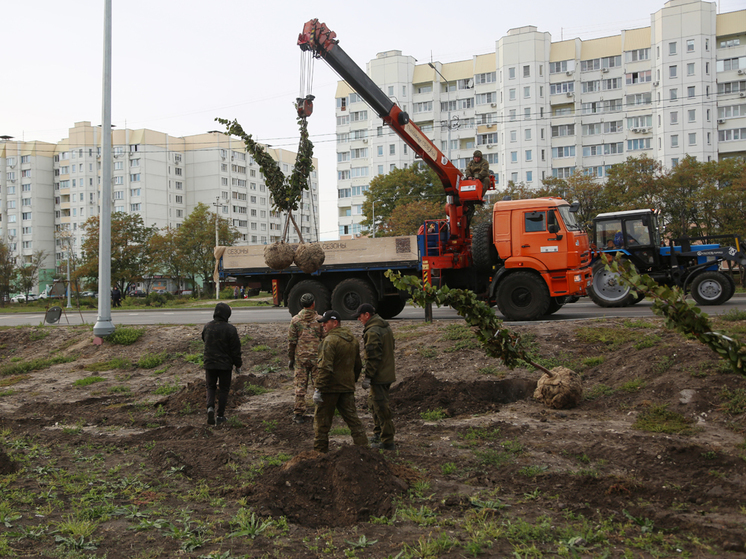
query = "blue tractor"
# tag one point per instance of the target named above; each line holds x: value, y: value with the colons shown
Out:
x: 692, y: 263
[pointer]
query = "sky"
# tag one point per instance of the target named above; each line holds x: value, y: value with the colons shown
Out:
x: 178, y: 64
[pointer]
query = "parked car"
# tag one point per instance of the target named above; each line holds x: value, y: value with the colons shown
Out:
x: 21, y: 298
x: 89, y: 294
x: 184, y: 292
x: 137, y: 293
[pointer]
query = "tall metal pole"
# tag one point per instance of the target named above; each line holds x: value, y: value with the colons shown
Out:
x: 373, y: 205
x: 217, y: 243
x: 69, y: 304
x: 104, y: 325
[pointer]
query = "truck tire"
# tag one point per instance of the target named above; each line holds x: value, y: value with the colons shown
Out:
x: 523, y: 296
x: 555, y: 304
x: 605, y: 289
x: 710, y: 288
x: 390, y: 307
x: 483, y: 250
x: 315, y: 288
x: 732, y: 283
x: 350, y: 294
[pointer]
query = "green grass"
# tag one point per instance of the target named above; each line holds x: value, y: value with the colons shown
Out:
x: 255, y: 390
x: 152, y: 360
x: 124, y: 335
x: 434, y: 415
x: 598, y: 391
x: 461, y: 345
x: 611, y: 337
x: 88, y: 381
x: 633, y: 385
x: 648, y: 341
x: 261, y: 347
x: 23, y: 367
x: 115, y: 363
x: 457, y: 332
x: 733, y: 401
x: 593, y: 361
x: 659, y: 419
x: 428, y: 352
x: 167, y: 388
x: 734, y: 315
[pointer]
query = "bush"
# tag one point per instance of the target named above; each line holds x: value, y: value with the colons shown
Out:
x: 152, y: 360
x: 155, y: 300
x: 125, y: 335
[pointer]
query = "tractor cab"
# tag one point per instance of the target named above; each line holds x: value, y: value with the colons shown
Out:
x: 634, y: 233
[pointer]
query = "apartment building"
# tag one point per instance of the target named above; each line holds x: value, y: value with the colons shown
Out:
x: 539, y: 109
x: 158, y: 176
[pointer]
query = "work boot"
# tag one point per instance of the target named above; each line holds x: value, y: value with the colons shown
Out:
x: 211, y: 416
x: 221, y: 419
x: 375, y: 439
x: 383, y: 446
x: 299, y: 419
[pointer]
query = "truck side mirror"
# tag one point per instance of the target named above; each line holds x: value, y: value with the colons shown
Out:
x: 645, y: 221
x: 574, y: 207
x: 554, y: 228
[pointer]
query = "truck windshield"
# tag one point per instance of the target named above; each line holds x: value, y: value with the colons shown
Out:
x: 569, y: 218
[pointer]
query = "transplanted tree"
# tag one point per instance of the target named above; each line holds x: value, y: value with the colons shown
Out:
x: 28, y: 273
x: 196, y: 242
x: 400, y: 187
x: 130, y: 250
x: 166, y: 251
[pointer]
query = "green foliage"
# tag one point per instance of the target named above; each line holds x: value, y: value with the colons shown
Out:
x: 124, y: 335
x: 434, y: 415
x: 681, y: 315
x: 734, y: 401
x: 23, y: 367
x: 152, y: 360
x: 155, y: 299
x: 497, y: 341
x: 88, y: 380
x: 734, y: 315
x: 115, y: 363
x: 659, y: 419
x: 286, y: 193
x: 167, y: 388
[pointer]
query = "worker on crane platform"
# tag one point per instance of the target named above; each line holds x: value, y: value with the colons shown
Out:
x: 479, y: 169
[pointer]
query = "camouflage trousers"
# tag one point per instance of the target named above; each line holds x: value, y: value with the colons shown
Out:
x: 303, y: 371
x: 378, y: 402
x: 324, y: 416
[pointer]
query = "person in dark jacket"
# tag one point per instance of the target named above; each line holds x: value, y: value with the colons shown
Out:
x: 380, y: 373
x: 222, y: 353
x: 116, y: 297
x: 338, y: 368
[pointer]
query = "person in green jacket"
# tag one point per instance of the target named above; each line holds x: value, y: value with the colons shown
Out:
x: 478, y: 168
x: 338, y: 368
x: 380, y: 373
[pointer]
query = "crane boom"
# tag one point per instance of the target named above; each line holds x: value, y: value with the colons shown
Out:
x: 322, y: 42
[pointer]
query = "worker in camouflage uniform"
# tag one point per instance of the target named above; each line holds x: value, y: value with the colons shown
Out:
x: 478, y: 168
x: 379, y: 373
x: 339, y: 367
x: 222, y: 352
x: 304, y: 336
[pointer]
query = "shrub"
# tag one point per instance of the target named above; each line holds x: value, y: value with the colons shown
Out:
x: 125, y: 336
x: 155, y: 300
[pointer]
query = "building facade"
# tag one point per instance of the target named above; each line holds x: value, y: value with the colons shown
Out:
x: 158, y: 176
x: 539, y: 109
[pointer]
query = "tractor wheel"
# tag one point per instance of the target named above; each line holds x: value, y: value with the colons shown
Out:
x: 523, y: 296
x: 483, y: 249
x: 638, y: 297
x: 316, y: 288
x: 555, y: 304
x: 710, y: 288
x: 607, y: 291
x: 732, y: 284
x: 350, y: 294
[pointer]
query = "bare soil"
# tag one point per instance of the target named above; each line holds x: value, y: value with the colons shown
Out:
x: 481, y: 468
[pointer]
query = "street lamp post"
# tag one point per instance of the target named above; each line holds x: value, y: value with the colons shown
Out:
x: 448, y: 100
x: 69, y: 304
x: 217, y: 205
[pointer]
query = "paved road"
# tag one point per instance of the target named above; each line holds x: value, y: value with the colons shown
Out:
x: 583, y: 309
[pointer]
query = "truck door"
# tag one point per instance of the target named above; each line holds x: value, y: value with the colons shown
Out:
x: 537, y: 242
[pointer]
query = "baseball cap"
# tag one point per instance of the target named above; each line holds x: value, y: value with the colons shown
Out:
x: 365, y: 307
x: 307, y: 299
x: 329, y: 315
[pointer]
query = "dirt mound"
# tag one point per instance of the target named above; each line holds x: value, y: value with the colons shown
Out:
x: 424, y: 392
x: 7, y: 466
x: 341, y: 488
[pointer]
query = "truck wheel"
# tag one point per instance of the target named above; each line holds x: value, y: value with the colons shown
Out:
x: 555, y: 304
x: 523, y: 296
x: 607, y: 291
x: 710, y: 288
x: 390, y: 307
x: 315, y: 288
x: 483, y: 250
x: 350, y: 294
x: 732, y: 283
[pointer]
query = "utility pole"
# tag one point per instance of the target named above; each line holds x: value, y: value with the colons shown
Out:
x: 104, y: 325
x: 217, y: 205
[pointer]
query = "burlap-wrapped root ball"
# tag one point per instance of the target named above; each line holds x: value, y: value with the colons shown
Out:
x: 309, y: 257
x: 279, y: 256
x: 561, y: 390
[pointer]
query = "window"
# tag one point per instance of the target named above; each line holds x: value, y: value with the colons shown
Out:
x: 690, y: 92
x: 380, y: 151
x: 690, y: 69
x: 672, y: 71
x: 117, y: 180
x: 426, y: 88
x: 489, y: 77
x: 392, y: 149
x: 672, y: 48
x: 135, y: 177
x: 558, y: 67
x: 135, y: 207
x: 692, y: 115
x: 118, y: 165
x: 674, y: 140
x: 359, y: 116
x: 638, y: 77
x: 674, y: 93
x: 693, y: 139
x: 136, y: 163
x: 26, y: 215
x: 529, y: 155
x: 563, y: 130
x: 562, y: 87
x: 636, y: 55
x: 674, y: 117
x: 511, y: 73
x: 527, y: 133
x: 728, y: 43
x: 527, y: 92
x: 527, y: 113
x: 566, y: 151
x: 639, y: 144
